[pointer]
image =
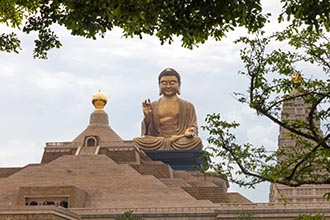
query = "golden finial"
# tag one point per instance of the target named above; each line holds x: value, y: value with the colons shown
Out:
x: 296, y: 77
x: 99, y: 100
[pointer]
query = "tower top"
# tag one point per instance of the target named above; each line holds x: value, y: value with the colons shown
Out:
x: 296, y: 77
x: 98, y: 123
x: 99, y: 100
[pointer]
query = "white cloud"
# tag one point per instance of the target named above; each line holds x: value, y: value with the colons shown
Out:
x: 19, y: 153
x: 8, y: 71
x: 263, y: 135
x: 47, y: 81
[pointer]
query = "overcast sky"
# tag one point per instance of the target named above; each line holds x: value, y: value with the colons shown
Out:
x: 50, y: 100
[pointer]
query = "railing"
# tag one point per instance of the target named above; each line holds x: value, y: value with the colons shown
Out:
x: 117, y: 144
x: 276, y: 205
x: 62, y: 144
x: 210, y: 209
x: 127, y: 144
x: 146, y: 210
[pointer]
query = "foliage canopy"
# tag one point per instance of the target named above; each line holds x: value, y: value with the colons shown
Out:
x: 194, y: 20
x: 270, y: 87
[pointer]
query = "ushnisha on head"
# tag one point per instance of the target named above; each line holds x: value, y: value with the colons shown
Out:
x: 169, y: 82
x: 169, y: 72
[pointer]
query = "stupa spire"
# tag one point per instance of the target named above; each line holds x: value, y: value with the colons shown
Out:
x: 98, y: 122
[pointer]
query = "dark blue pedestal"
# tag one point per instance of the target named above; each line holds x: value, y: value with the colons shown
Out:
x: 186, y: 160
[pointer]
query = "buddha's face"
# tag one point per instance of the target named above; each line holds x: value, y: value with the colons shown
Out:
x: 169, y: 86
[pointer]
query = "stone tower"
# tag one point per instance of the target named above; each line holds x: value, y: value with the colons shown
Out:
x: 292, y: 110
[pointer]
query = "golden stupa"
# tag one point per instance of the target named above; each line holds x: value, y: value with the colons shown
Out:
x: 296, y: 77
x: 99, y: 100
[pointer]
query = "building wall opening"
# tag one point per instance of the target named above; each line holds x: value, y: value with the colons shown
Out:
x: 45, y: 201
x: 64, y: 204
x: 91, y: 141
x: 33, y: 203
x: 49, y: 203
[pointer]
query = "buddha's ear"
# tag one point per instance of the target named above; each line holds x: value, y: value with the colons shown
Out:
x: 178, y: 92
x: 160, y: 91
x: 179, y: 89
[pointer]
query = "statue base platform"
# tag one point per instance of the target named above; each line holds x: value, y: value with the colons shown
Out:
x: 188, y: 160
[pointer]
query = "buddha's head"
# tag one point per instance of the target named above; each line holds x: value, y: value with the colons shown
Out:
x: 169, y: 82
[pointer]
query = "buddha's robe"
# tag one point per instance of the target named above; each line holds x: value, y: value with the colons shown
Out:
x: 157, y: 135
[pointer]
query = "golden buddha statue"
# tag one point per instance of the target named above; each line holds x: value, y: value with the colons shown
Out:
x: 169, y: 123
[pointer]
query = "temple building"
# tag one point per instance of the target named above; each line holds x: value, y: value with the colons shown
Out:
x: 296, y: 109
x: 98, y: 175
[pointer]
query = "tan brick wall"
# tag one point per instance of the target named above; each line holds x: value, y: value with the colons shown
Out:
x: 5, y: 172
x: 76, y: 196
x: 157, y: 170
x: 174, y: 182
x: 120, y: 156
x: 50, y: 155
x: 214, y: 194
x: 42, y: 216
x: 236, y: 198
x: 37, y: 213
x: 264, y: 211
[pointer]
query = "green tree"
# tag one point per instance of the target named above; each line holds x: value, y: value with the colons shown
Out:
x: 195, y: 21
x: 245, y: 215
x: 128, y: 216
x: 310, y: 217
x: 312, y: 13
x: 269, y: 71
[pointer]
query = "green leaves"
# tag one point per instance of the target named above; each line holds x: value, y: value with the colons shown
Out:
x: 311, y: 13
x: 310, y: 217
x: 128, y: 216
x: 9, y: 43
x: 10, y: 14
x: 270, y: 90
x: 194, y: 21
x: 47, y: 40
x: 242, y: 164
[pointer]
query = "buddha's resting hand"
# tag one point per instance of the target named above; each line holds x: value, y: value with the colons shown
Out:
x: 190, y: 132
x: 147, y: 110
x: 176, y: 137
